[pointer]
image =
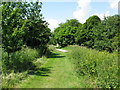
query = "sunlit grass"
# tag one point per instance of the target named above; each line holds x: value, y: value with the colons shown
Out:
x: 100, y: 68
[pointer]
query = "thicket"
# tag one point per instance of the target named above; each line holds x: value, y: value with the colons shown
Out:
x: 107, y: 34
x: 65, y: 34
x: 22, y: 26
x: 99, y: 69
x: 19, y: 61
x: 94, y: 33
x: 85, y: 36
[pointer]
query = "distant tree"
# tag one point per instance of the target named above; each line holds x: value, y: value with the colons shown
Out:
x: 107, y: 34
x: 52, y: 39
x: 85, y: 35
x: 65, y: 33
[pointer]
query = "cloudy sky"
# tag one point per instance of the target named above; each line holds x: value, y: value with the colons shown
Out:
x: 58, y: 11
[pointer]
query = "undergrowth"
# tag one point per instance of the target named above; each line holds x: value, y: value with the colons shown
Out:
x: 19, y: 65
x: 99, y: 69
x: 19, y: 61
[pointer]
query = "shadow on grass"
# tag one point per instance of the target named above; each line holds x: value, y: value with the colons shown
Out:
x: 44, y: 71
x: 54, y: 55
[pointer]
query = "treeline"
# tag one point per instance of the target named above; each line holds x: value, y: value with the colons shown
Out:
x: 94, y: 33
x: 24, y: 34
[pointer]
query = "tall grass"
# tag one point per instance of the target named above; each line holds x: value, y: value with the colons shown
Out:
x: 100, y: 69
x: 17, y: 66
x: 10, y: 80
x: 19, y: 60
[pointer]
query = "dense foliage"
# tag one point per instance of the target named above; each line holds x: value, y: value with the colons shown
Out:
x: 94, y: 33
x: 100, y: 68
x: 106, y: 34
x: 12, y: 26
x: 85, y: 35
x: 19, y: 61
x: 65, y: 33
x: 22, y: 25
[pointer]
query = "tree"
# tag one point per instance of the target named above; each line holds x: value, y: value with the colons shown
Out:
x: 85, y: 35
x: 65, y: 33
x: 37, y: 33
x: 107, y: 34
x: 12, y: 26
x: 23, y: 23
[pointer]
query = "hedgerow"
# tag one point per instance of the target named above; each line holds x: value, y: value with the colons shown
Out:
x: 101, y: 67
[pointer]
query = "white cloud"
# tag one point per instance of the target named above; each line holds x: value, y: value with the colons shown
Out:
x: 53, y: 23
x: 84, y: 7
x: 114, y: 4
x: 82, y: 10
x: 101, y: 15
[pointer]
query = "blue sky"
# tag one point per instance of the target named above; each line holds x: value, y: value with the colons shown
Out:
x: 56, y: 12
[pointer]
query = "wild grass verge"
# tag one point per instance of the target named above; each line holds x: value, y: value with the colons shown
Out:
x: 99, y: 69
x: 19, y: 61
x: 19, y: 65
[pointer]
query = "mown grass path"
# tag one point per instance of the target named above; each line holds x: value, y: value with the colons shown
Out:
x: 57, y: 72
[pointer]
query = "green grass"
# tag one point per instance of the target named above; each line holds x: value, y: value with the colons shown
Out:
x: 15, y: 69
x: 100, y: 69
x: 57, y: 72
x: 61, y: 69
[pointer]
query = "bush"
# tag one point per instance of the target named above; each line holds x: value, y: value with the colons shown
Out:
x: 100, y: 66
x: 19, y: 60
x: 20, y: 64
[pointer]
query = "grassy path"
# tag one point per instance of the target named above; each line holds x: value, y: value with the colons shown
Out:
x: 56, y: 73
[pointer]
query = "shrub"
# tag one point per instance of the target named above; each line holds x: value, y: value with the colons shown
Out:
x: 21, y: 64
x: 101, y: 66
x: 19, y: 60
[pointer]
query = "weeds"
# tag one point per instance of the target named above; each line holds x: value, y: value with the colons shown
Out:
x: 101, y: 67
x: 19, y: 65
x: 19, y: 61
x: 9, y: 80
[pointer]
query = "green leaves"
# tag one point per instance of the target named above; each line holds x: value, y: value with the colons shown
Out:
x: 22, y: 24
x: 106, y: 34
x: 65, y: 33
x: 101, y: 35
x: 85, y: 35
x: 19, y: 60
x: 11, y: 25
